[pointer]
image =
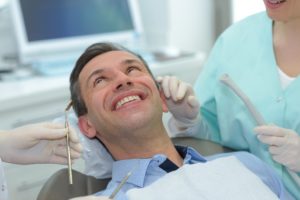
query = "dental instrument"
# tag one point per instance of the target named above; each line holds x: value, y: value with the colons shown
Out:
x: 225, y: 78
x: 123, y: 181
x: 67, y: 127
x: 256, y: 115
x: 118, y: 188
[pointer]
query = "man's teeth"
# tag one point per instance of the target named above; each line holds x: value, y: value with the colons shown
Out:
x: 276, y: 1
x: 126, y: 100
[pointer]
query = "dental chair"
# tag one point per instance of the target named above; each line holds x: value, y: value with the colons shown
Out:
x: 58, y: 188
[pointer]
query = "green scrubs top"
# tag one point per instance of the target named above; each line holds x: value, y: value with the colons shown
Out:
x: 245, y: 52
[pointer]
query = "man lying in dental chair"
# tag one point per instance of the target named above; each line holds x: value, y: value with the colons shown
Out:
x: 118, y: 101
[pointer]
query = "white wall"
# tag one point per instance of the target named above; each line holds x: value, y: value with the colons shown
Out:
x: 187, y: 25
x: 244, y: 8
x: 191, y: 24
x: 154, y: 15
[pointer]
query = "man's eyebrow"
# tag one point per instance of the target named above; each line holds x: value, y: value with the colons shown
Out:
x: 124, y: 62
x: 98, y: 71
x: 131, y: 61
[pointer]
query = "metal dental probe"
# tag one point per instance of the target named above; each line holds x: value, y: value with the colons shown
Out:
x: 67, y: 127
x: 118, y: 188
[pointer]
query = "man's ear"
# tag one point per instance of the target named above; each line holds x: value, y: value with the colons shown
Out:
x: 86, y: 127
x: 163, y: 101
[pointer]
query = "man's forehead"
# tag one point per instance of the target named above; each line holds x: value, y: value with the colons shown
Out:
x: 113, y: 57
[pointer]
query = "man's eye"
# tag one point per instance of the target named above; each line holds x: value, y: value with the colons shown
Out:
x: 132, y: 68
x: 98, y: 80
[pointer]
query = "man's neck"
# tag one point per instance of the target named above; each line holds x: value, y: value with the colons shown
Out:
x: 146, y: 146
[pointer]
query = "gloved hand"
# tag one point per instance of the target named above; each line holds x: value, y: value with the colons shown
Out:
x: 38, y: 143
x: 284, y: 145
x: 91, y: 198
x: 181, y: 100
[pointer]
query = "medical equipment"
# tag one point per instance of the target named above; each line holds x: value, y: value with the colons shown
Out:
x: 114, y: 193
x: 225, y: 78
x: 67, y: 127
x: 52, y: 46
x: 229, y: 82
x: 97, y: 161
x: 118, y: 188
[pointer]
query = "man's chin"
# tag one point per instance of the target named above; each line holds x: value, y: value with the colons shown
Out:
x: 134, y: 121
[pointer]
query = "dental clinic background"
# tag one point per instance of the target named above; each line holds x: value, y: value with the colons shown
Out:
x: 175, y: 36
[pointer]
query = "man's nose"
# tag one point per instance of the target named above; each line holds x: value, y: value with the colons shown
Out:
x: 123, y: 81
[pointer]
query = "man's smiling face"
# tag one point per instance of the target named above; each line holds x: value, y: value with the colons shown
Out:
x: 119, y: 93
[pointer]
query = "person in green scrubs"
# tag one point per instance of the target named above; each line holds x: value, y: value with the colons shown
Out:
x: 261, y: 55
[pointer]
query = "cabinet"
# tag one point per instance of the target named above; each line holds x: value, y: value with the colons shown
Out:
x: 45, y: 98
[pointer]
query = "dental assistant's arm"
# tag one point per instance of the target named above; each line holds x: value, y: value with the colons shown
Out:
x: 38, y: 143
